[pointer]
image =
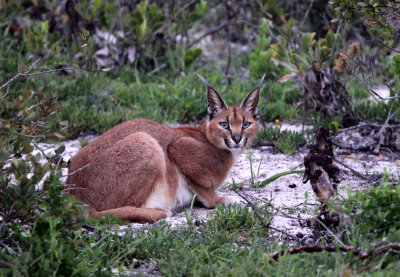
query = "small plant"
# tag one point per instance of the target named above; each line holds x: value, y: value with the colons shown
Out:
x: 376, y: 210
x: 235, y: 218
x: 277, y: 176
x: 37, y: 222
x: 254, y: 175
x: 381, y: 17
x: 286, y: 141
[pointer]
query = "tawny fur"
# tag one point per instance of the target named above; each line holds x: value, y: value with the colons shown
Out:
x: 141, y: 170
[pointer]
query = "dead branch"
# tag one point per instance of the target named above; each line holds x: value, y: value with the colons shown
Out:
x: 209, y: 32
x: 371, y: 137
x: 261, y: 219
x: 76, y: 171
x: 27, y: 72
x: 362, y: 80
x: 320, y: 170
x: 332, y: 248
x: 352, y: 170
x: 306, y: 14
x: 13, y: 78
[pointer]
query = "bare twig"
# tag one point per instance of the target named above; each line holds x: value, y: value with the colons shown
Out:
x: 334, y: 42
x: 385, y: 45
x: 52, y: 71
x: 13, y: 78
x: 363, y: 82
x: 42, y: 151
x: 261, y: 219
x: 89, y: 228
x: 306, y: 13
x: 332, y: 248
x: 209, y: 32
x: 157, y: 69
x: 72, y: 187
x: 23, y: 135
x: 76, y: 171
x: 352, y: 170
x: 8, y: 248
x: 364, y: 124
x: 228, y: 65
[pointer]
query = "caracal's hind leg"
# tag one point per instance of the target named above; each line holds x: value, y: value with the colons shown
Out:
x: 129, y: 177
x: 141, y: 215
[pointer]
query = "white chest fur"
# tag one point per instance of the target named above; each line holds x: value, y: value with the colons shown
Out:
x: 183, y: 195
x: 236, y: 153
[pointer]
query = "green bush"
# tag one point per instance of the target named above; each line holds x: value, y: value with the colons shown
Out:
x: 38, y: 223
x: 375, y: 210
x: 286, y: 141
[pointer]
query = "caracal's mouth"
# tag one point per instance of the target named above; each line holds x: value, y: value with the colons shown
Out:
x: 233, y: 146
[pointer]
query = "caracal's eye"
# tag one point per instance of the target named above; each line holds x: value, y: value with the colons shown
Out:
x: 246, y: 124
x: 224, y: 125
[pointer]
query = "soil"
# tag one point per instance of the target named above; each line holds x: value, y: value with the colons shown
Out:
x: 287, y: 192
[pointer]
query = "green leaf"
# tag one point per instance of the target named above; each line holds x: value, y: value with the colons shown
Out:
x: 306, y: 42
x: 200, y: 8
x: 333, y: 126
x: 73, y: 47
x: 191, y: 55
x: 277, y: 176
x: 60, y: 149
x: 330, y: 38
x: 396, y: 64
x: 4, y: 154
x: 27, y: 149
x: 96, y: 6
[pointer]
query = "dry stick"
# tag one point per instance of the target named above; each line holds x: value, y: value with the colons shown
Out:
x: 352, y: 170
x: 209, y: 32
x: 12, y: 79
x: 365, y: 123
x: 306, y: 14
x: 76, y: 171
x: 365, y: 83
x: 391, y: 152
x: 157, y: 69
x: 381, y: 129
x: 261, y: 219
x: 42, y: 151
x: 282, y: 214
x: 53, y: 71
x: 27, y: 74
x: 24, y: 135
x: 332, y: 248
x: 7, y: 247
x: 334, y: 42
x: 228, y: 16
x: 350, y: 128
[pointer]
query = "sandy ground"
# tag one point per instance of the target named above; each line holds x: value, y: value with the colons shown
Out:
x: 286, y: 192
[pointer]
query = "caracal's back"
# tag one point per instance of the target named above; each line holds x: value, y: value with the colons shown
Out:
x: 141, y: 170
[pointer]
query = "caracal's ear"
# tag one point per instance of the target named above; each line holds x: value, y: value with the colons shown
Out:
x: 215, y: 102
x: 250, y: 102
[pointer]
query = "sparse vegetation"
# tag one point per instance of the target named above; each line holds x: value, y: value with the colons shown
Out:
x: 67, y: 68
x: 286, y: 141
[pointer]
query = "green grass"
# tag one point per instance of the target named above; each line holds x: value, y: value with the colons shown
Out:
x: 99, y: 101
x: 286, y: 141
x: 232, y: 242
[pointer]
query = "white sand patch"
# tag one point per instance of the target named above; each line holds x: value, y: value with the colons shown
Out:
x: 285, y: 193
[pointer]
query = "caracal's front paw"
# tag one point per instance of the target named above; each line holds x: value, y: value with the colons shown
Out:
x: 225, y: 200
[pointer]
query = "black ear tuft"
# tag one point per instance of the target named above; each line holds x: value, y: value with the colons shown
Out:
x: 215, y: 102
x: 251, y: 101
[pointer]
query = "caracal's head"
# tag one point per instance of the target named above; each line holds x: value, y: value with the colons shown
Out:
x: 232, y: 128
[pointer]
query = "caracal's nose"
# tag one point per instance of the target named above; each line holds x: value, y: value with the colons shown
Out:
x: 237, y: 138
